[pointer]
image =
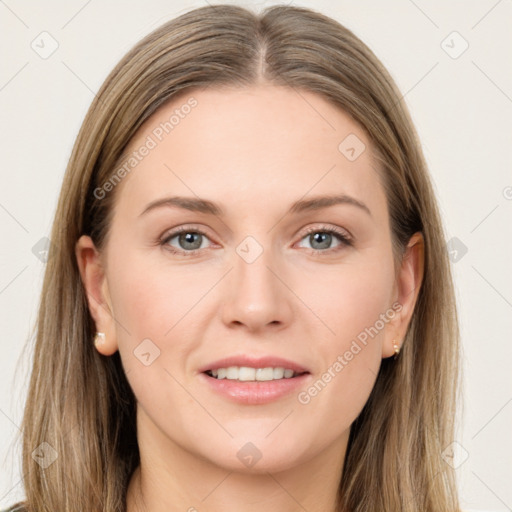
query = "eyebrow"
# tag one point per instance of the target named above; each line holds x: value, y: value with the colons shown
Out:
x: 196, y: 204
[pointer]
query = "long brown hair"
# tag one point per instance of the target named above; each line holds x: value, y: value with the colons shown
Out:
x: 80, y: 403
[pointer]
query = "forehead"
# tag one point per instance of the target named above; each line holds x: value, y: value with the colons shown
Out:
x: 256, y: 144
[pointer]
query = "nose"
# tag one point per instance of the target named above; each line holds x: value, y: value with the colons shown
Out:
x: 256, y: 294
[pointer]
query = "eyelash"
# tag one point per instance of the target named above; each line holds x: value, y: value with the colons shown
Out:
x: 342, y: 237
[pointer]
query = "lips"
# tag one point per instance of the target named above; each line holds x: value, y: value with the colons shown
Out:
x: 254, y: 362
x: 246, y: 373
x: 237, y: 384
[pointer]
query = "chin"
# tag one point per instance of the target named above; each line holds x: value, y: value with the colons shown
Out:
x: 274, y: 463
x: 257, y: 454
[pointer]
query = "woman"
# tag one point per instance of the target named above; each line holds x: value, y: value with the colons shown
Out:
x: 302, y: 352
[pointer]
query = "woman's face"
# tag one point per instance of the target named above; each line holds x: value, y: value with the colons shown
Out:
x: 267, y: 273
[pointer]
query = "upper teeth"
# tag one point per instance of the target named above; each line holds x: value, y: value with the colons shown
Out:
x: 247, y: 373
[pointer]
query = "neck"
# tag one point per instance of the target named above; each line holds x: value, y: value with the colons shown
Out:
x: 176, y: 479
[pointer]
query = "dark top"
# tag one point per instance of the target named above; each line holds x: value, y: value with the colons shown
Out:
x: 15, y: 508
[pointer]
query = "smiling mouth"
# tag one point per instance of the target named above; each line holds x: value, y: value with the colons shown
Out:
x: 249, y: 374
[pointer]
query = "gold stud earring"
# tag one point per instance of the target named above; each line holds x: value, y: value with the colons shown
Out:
x: 99, y: 339
x: 396, y: 348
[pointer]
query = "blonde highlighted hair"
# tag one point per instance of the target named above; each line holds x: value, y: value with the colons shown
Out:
x: 80, y: 403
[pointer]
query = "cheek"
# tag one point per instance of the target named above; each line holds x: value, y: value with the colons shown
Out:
x: 154, y: 306
x: 356, y: 307
x: 152, y: 299
x: 350, y: 298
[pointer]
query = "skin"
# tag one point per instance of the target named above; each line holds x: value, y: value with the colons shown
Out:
x: 254, y: 151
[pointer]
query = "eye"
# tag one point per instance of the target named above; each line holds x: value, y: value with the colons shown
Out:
x: 189, y: 241
x: 321, y: 239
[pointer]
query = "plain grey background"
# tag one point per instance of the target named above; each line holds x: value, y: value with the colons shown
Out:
x: 451, y: 61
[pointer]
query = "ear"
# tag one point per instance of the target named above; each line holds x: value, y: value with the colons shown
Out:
x: 94, y: 279
x: 407, y: 287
